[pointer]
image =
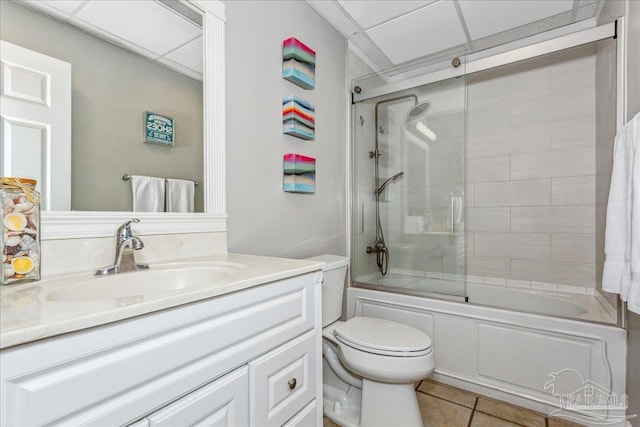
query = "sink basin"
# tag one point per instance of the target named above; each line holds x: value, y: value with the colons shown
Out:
x: 132, y: 287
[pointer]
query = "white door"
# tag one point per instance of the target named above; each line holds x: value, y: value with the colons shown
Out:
x: 35, y: 122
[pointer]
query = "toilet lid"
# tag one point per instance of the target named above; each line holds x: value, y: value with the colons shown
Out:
x: 383, y: 337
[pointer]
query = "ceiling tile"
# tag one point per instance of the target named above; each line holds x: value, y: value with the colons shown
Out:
x: 487, y: 17
x: 189, y: 55
x: 335, y: 16
x: 66, y: 6
x: 144, y: 23
x: 373, y: 12
x: 425, y: 31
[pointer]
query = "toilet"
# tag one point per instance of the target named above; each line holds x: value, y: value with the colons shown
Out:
x: 370, y: 365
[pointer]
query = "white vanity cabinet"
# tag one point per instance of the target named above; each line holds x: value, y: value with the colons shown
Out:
x: 248, y: 358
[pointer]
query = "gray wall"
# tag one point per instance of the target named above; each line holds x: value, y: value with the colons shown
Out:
x: 263, y: 219
x: 112, y: 87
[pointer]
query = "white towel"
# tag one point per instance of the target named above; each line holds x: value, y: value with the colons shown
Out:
x: 180, y: 195
x: 148, y: 193
x: 622, y: 236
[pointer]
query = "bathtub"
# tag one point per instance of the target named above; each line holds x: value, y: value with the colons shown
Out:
x: 528, y: 359
x: 584, y: 306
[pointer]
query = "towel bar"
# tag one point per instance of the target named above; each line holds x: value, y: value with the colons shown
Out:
x: 127, y: 177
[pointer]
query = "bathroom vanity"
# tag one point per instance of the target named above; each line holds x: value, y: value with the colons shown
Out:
x: 244, y: 350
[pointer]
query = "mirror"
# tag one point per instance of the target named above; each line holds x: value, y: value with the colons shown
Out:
x: 147, y: 58
x: 86, y: 224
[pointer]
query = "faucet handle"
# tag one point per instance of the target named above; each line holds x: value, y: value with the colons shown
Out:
x: 124, y: 231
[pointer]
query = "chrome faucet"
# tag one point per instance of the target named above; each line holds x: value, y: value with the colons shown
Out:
x: 126, y: 244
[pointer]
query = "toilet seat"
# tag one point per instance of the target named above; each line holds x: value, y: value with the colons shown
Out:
x: 383, y: 337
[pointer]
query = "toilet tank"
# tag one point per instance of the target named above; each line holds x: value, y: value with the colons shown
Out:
x: 333, y: 278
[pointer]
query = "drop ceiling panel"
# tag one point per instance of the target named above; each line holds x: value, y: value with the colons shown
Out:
x: 428, y: 30
x: 66, y: 6
x: 488, y: 17
x: 189, y: 55
x: 370, y: 13
x: 143, y: 23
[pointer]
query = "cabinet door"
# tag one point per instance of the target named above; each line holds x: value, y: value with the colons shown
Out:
x: 283, y: 381
x: 304, y: 418
x: 224, y: 402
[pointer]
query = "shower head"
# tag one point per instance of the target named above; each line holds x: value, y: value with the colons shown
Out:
x: 384, y: 184
x: 417, y: 110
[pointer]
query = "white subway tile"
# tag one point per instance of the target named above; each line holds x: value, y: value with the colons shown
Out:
x: 474, y: 279
x: 488, y: 219
x: 580, y: 132
x: 454, y: 277
x: 500, y: 281
x: 468, y: 196
x: 573, y: 248
x: 523, y: 284
x: 504, y: 141
x: 513, y: 193
x: 488, y: 169
x: 544, y: 286
x: 568, y: 289
x: 563, y: 81
x: 561, y: 106
x: 553, y: 219
x: 487, y: 267
x: 553, y: 164
x: 434, y: 274
x: 532, y: 246
x: 469, y: 243
x: 490, y: 117
x: 413, y: 273
x: 504, y: 84
x: 554, y: 272
x: 580, y: 190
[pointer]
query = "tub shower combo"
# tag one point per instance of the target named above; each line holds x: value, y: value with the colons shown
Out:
x: 471, y: 223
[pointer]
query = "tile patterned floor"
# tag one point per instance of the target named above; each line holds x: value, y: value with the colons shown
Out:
x: 445, y: 406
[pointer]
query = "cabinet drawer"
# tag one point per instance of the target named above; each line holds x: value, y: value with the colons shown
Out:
x: 224, y: 402
x: 283, y: 381
x: 304, y: 418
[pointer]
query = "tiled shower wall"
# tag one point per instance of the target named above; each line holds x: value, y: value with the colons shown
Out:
x: 531, y: 166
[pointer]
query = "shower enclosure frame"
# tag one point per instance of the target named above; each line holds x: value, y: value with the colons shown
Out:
x: 534, y: 46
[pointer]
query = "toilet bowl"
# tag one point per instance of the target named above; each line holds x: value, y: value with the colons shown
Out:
x: 370, y: 365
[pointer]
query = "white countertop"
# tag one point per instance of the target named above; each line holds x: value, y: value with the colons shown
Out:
x: 28, y: 313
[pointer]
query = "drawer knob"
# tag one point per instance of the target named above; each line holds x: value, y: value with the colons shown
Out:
x: 292, y: 383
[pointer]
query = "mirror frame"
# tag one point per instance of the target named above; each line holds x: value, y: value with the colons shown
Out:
x: 69, y: 225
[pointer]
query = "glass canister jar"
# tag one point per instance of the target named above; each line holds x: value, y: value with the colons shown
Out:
x: 20, y: 240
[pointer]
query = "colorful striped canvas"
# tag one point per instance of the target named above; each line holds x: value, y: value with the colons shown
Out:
x: 298, y: 117
x: 298, y: 63
x: 299, y: 173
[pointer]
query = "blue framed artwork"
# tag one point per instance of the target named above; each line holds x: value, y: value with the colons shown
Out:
x: 159, y: 129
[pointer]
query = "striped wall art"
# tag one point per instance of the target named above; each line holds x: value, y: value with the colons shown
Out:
x: 299, y: 173
x: 298, y: 63
x: 298, y: 117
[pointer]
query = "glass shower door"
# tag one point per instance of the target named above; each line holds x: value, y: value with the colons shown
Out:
x: 409, y: 190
